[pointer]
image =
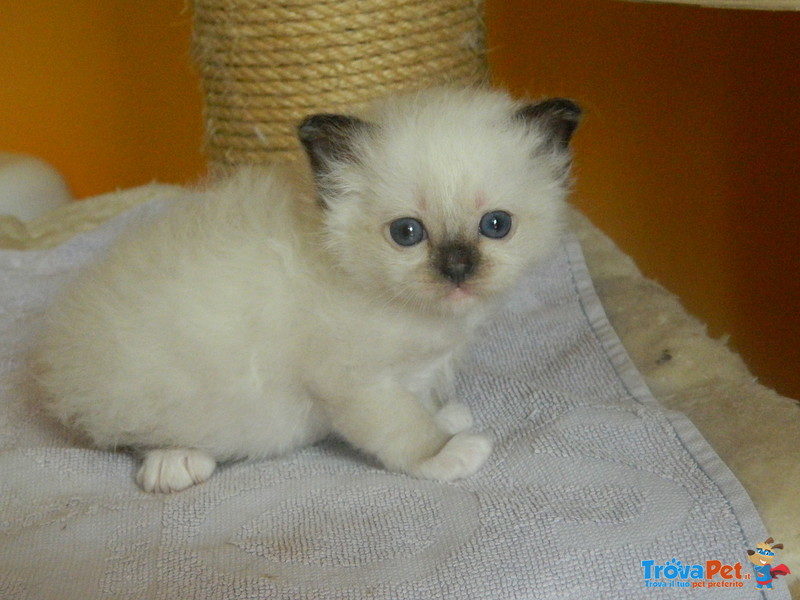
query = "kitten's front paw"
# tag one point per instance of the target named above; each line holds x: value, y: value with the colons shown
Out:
x: 464, y: 454
x: 454, y: 418
x: 174, y: 470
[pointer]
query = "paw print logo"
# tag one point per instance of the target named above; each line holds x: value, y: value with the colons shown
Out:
x: 672, y: 568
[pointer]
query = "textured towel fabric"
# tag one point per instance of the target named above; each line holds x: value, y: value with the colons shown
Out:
x: 592, y: 491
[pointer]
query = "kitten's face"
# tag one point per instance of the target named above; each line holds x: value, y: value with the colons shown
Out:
x: 441, y: 200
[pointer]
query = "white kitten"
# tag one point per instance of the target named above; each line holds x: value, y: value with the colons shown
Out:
x: 275, y: 308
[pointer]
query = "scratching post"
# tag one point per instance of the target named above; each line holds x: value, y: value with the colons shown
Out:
x: 266, y: 64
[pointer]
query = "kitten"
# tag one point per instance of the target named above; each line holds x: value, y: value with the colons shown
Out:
x: 275, y: 308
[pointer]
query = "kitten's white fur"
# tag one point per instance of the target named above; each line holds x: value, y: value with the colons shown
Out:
x: 274, y: 308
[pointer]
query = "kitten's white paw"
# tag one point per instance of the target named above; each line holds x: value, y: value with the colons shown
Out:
x: 174, y: 470
x: 454, y: 418
x: 464, y: 454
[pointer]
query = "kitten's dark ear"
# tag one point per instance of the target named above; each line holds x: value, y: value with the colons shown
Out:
x: 558, y: 118
x: 329, y: 138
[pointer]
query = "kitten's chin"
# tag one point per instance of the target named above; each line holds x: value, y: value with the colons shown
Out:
x: 448, y: 300
x: 461, y: 299
x: 459, y: 296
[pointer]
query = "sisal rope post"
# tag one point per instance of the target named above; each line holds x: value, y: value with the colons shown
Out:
x: 266, y: 64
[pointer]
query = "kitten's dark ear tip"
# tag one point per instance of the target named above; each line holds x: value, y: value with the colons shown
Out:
x: 327, y: 137
x: 558, y: 117
x: 314, y: 126
x: 337, y: 127
x: 307, y: 129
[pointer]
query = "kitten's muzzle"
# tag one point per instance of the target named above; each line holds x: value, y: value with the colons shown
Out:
x: 457, y: 261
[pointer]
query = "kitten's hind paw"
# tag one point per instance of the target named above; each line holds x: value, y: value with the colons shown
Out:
x: 462, y: 456
x: 454, y: 418
x: 174, y: 470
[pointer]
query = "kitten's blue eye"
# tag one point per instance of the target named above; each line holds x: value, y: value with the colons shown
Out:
x: 495, y: 224
x: 407, y: 231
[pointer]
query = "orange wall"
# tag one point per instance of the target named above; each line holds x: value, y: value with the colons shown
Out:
x: 688, y: 156
x: 102, y: 89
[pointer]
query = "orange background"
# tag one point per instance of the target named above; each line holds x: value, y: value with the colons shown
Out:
x: 104, y: 90
x: 688, y: 156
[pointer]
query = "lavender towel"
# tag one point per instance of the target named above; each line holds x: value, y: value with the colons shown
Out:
x: 593, y: 489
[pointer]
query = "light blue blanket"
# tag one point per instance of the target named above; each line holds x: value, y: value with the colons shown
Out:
x: 593, y: 490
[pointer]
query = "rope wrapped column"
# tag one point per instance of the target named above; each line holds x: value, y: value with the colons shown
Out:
x: 266, y: 64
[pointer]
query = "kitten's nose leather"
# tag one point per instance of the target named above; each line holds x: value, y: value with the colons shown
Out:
x: 457, y: 261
